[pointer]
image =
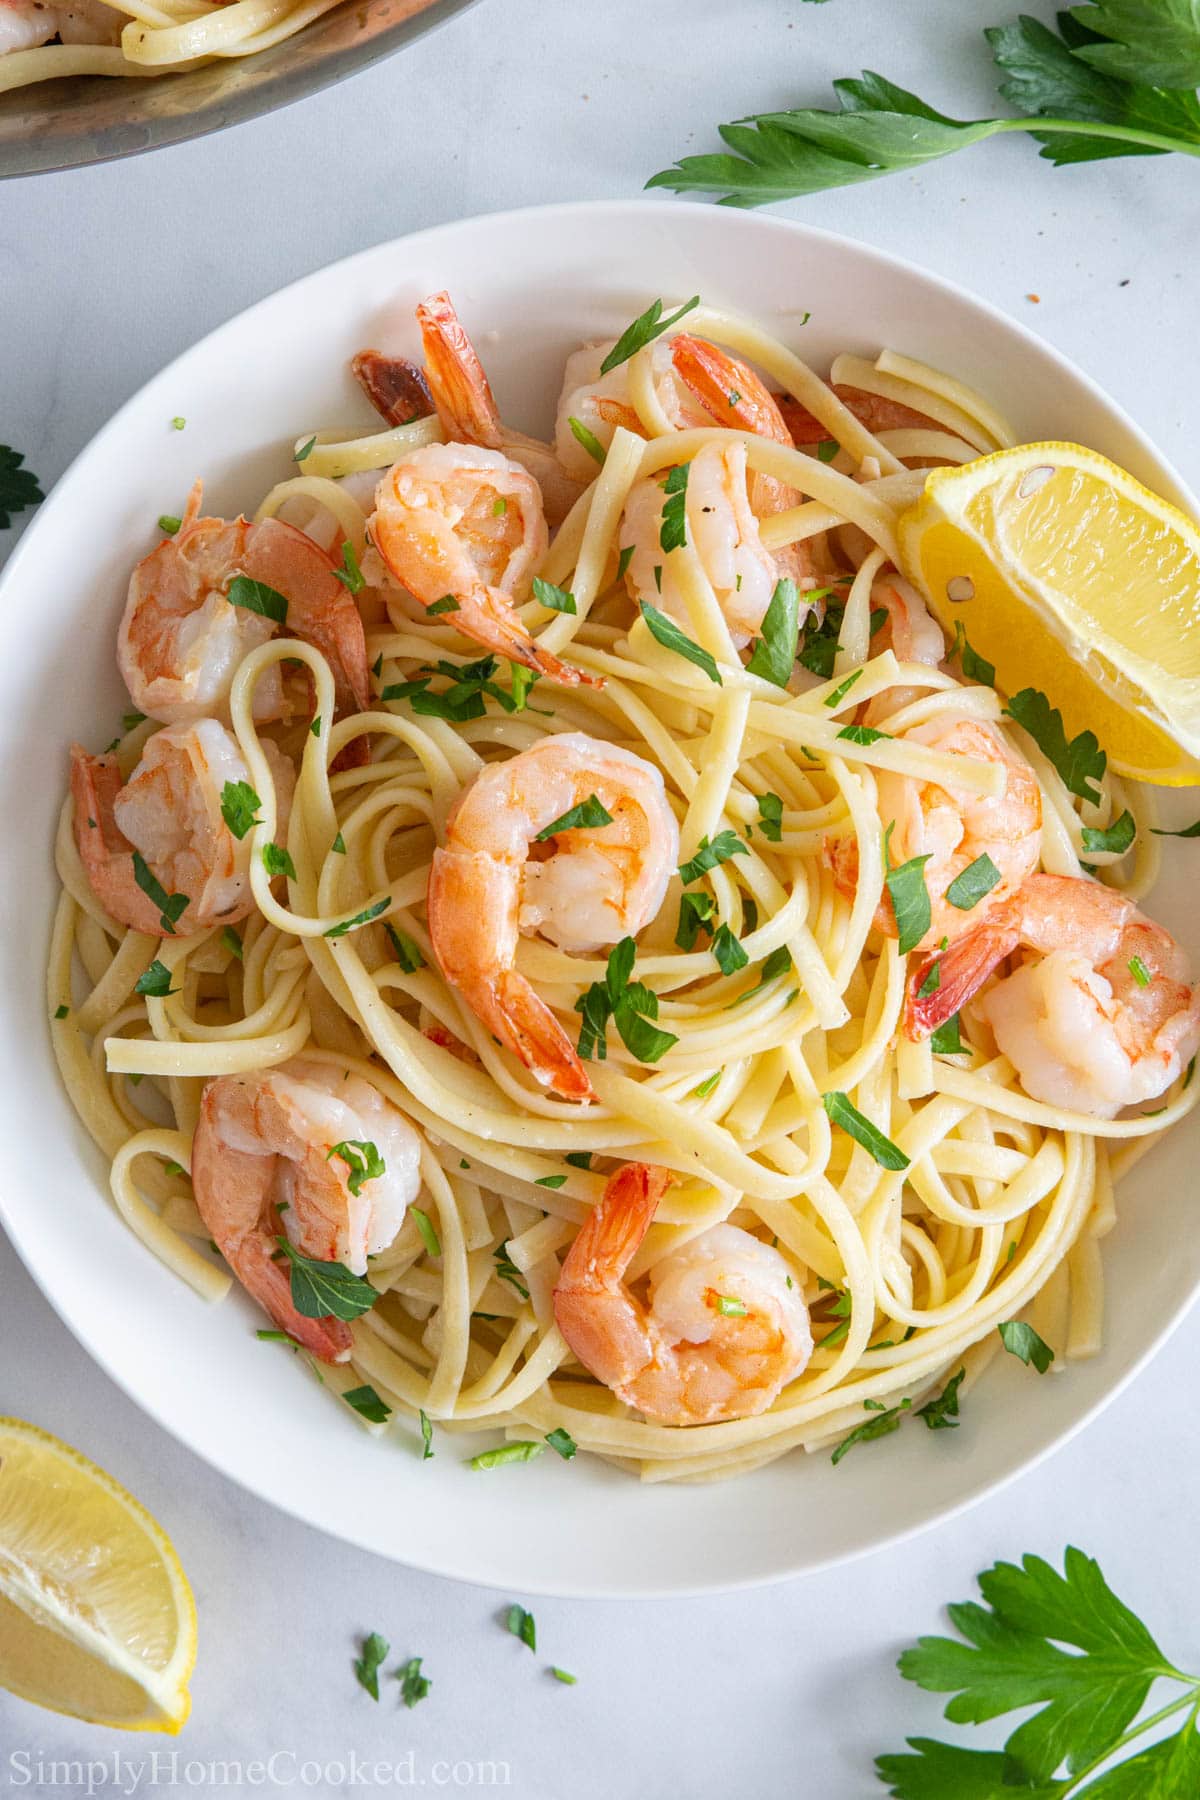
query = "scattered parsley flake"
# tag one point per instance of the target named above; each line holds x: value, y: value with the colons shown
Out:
x: 974, y: 882
x: 1020, y: 1339
x: 666, y: 632
x: 239, y: 807
x: 521, y: 1451
x: 842, y: 1111
x: 589, y: 815
x: 555, y: 599
x: 425, y: 1227
x: 774, y: 655
x: 644, y: 329
x: 326, y: 1289
x: 257, y: 597
x: 368, y: 1404
x: 562, y: 1443
x: 375, y: 1651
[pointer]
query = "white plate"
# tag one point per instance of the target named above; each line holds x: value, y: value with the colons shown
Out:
x: 530, y: 286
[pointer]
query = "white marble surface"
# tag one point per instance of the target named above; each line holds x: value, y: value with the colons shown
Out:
x: 107, y: 273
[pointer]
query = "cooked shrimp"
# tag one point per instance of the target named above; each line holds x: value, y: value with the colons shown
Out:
x: 455, y: 520
x: 1107, y: 1017
x: 601, y: 402
x: 24, y: 24
x: 874, y: 411
x: 722, y: 528
x: 181, y: 639
x: 910, y: 631
x: 723, y: 1328
x: 267, y: 1161
x: 734, y: 396
x: 598, y: 885
x: 951, y: 826
x: 169, y: 811
x: 465, y: 405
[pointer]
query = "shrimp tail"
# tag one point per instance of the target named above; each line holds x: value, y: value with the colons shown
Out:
x: 104, y: 850
x: 457, y: 381
x: 609, y: 1336
x: 616, y: 412
x: 490, y: 618
x: 728, y: 390
x: 961, y: 972
x: 396, y: 387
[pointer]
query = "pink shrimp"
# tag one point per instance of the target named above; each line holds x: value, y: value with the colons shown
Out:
x: 1106, y: 1018
x: 724, y: 1327
x: 872, y: 410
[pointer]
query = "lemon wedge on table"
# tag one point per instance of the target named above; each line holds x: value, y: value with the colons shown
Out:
x: 96, y: 1616
x: 1070, y: 576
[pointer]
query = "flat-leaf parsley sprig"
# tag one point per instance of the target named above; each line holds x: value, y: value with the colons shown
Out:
x: 1117, y: 78
x: 1066, y: 1645
x: 19, y: 488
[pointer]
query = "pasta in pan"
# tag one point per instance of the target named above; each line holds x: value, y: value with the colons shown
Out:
x: 562, y: 963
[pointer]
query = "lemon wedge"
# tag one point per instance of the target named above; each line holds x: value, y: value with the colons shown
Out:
x: 96, y: 1616
x: 1069, y: 576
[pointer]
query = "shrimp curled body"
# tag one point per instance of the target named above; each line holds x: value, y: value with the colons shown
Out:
x: 264, y: 1164
x: 599, y: 884
x: 723, y: 1331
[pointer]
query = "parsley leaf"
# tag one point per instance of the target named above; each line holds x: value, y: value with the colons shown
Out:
x: 562, y: 1443
x: 278, y: 862
x: 521, y: 1624
x: 589, y: 815
x: 1023, y: 1341
x: 644, y: 329
x: 360, y: 918
x: 408, y: 954
x: 447, y: 604
x: 842, y: 689
x: 426, y: 1434
x: 523, y: 1450
x: 630, y: 1004
x: 363, y: 1160
x: 507, y: 1270
x: 909, y: 895
x: 673, y: 530
x: 326, y: 1289
x: 156, y: 982
x: 730, y: 954
x: 171, y: 906
x: 257, y: 597
x: 843, y: 1112
x: 374, y: 1652
x: 668, y: 634
x: 942, y: 1414
x: 1079, y: 760
x: 710, y: 854
x: 770, y: 817
x: 169, y: 523
x: 946, y: 1040
x: 239, y: 807
x: 556, y: 599
x: 695, y: 911
x: 882, y: 1425
x: 366, y: 1401
x: 974, y: 666
x: 19, y: 487
x: 1189, y: 831
x: 413, y: 1685
x: 1155, y: 42
x: 862, y: 734
x: 1115, y: 838
x: 232, y: 942
x: 971, y: 885
x: 350, y: 575
x: 425, y: 1227
x: 591, y: 443
x: 774, y: 655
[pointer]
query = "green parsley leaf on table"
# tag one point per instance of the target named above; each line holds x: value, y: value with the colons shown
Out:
x: 19, y: 488
x: 522, y: 1625
x: 413, y: 1685
x: 1067, y: 1646
x: 374, y: 1653
x: 368, y: 1403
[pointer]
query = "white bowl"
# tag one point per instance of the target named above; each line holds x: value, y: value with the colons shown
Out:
x: 530, y: 285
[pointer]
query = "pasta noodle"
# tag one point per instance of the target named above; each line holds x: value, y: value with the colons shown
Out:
x: 1003, y: 1200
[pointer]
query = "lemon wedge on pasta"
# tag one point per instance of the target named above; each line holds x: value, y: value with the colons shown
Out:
x: 1070, y: 576
x: 96, y: 1616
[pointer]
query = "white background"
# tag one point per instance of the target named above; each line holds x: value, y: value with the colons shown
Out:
x: 107, y: 273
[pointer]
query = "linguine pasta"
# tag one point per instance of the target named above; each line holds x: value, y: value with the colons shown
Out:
x: 1001, y: 1202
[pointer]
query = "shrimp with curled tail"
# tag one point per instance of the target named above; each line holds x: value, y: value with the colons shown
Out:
x: 599, y: 884
x: 182, y: 639
x: 169, y: 812
x: 267, y: 1162
x: 455, y: 522
x: 952, y: 827
x: 468, y: 411
x: 1106, y: 1017
x: 723, y: 1327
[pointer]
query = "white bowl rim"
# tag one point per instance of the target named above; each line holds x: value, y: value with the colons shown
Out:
x: 294, y: 1507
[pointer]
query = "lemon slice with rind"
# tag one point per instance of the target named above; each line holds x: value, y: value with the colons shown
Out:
x: 96, y: 1616
x: 1070, y: 576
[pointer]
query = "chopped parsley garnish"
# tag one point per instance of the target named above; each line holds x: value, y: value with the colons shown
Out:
x: 843, y: 1112
x: 178, y: 423
x: 368, y: 1403
x: 1189, y: 831
x: 257, y: 597
x: 326, y: 1289
x: 1140, y: 972
x: 338, y: 846
x: 408, y: 954
x: 522, y: 1626
x: 499, y: 507
x: 563, y: 1676
x: 169, y: 524
x: 239, y: 807
x: 589, y: 815
x: 673, y: 530
x: 770, y: 817
x: 170, y: 906
x: 413, y: 1685
x: 278, y: 862
x: 827, y: 449
x: 839, y: 1308
x: 463, y: 700
x: 306, y: 450
x: 974, y: 666
x: 591, y: 443
x: 942, y: 1414
x: 523, y: 1450
x: 507, y: 1270
x: 909, y: 895
x: 946, y: 1040
x: 730, y: 1307
x: 555, y: 599
x: 862, y: 734
x: 551, y: 1181
x: 666, y: 632
x: 375, y: 1651
x: 882, y: 1425
x: 424, y: 1225
x: 1020, y: 1339
x: 19, y: 487
x: 975, y: 881
x: 778, y: 963
x: 730, y: 954
x: 232, y: 942
x: 706, y: 1087
x: 774, y: 655
x: 61, y: 1012
x: 130, y: 720
x: 695, y: 912
x: 630, y: 1004
x: 644, y: 329
x: 562, y: 1443
x: 932, y: 981
x: 273, y: 1337
x: 842, y: 689
x: 363, y: 1160
x: 315, y: 727
x: 1115, y: 838
x: 426, y: 1435
x: 1079, y: 760
x: 361, y: 918
x: 710, y: 855
x: 447, y: 604
x: 623, y: 561
x: 156, y: 982
x: 579, y: 1159
x: 350, y: 575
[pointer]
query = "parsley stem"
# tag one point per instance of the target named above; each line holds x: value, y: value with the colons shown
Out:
x: 1191, y: 1698
x: 1128, y: 134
